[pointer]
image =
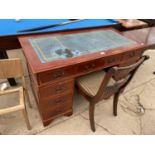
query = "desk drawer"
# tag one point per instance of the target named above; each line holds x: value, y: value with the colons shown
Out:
x: 121, y: 58
x: 57, y: 74
x: 90, y: 66
x: 113, y: 60
x: 57, y: 88
x: 133, y: 54
x: 60, y: 101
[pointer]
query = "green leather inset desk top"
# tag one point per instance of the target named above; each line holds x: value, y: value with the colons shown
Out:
x: 59, y: 47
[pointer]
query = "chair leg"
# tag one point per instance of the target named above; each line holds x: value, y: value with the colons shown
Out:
x: 91, y: 116
x: 28, y: 98
x: 26, y: 119
x: 115, y: 103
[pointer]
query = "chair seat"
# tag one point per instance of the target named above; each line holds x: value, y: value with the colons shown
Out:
x: 91, y: 82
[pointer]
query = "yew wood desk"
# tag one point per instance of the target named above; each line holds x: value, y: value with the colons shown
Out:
x: 55, y: 60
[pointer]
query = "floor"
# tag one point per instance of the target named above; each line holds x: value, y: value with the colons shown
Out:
x: 136, y: 110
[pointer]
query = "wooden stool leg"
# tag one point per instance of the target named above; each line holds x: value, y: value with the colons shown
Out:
x: 26, y: 119
x: 28, y: 98
x: 91, y: 116
x: 115, y: 103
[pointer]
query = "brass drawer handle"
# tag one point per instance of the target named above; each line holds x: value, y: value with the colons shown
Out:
x: 58, y: 74
x: 132, y: 54
x: 89, y: 66
x: 111, y: 60
x: 59, y: 100
x: 59, y: 89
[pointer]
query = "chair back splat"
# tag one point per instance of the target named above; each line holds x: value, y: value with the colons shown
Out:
x: 121, y: 77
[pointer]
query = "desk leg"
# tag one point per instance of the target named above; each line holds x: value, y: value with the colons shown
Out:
x: 3, y: 55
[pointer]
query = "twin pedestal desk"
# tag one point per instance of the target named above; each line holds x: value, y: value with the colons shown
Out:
x: 55, y: 60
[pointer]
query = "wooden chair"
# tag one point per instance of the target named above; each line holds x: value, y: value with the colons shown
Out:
x: 101, y: 85
x: 10, y: 68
